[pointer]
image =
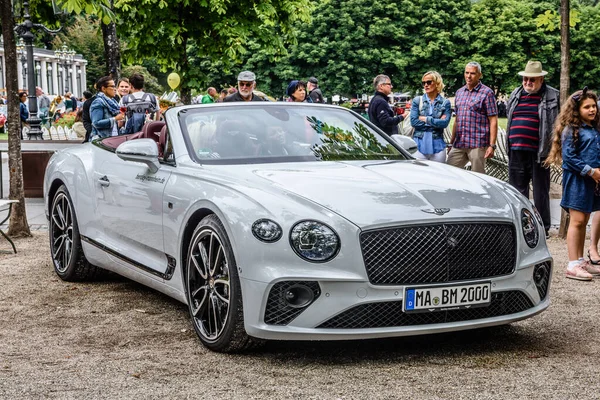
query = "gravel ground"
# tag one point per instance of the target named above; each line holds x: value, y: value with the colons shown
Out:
x: 117, y: 339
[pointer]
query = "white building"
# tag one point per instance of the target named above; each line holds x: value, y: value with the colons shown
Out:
x: 53, y: 75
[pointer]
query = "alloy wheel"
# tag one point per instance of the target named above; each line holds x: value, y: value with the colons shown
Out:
x: 61, y: 225
x: 209, y: 284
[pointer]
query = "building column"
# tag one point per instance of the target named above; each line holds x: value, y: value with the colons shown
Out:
x: 83, y: 79
x: 44, y: 76
x: 55, y: 77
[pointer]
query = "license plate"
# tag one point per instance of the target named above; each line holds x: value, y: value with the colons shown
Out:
x: 440, y: 298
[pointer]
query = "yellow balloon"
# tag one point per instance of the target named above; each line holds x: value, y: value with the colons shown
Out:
x: 173, y: 80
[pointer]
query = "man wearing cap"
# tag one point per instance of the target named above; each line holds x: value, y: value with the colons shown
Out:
x: 246, y: 84
x: 531, y: 111
x: 313, y: 90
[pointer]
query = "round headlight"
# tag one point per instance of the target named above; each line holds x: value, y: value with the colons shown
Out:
x: 314, y: 241
x: 266, y: 230
x: 530, y: 228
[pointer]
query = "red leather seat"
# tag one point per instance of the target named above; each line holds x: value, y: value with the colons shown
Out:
x: 162, y: 142
x: 151, y: 130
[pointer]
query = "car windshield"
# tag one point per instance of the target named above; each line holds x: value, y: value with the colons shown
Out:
x: 281, y: 133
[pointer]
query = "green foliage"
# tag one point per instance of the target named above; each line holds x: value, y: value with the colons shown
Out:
x: 550, y: 20
x: 585, y: 53
x: 99, y: 8
x: 503, y: 36
x: 150, y: 82
x: 181, y: 34
x: 358, y: 144
x: 85, y: 37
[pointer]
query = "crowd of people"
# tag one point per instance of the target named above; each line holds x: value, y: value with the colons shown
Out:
x: 540, y: 133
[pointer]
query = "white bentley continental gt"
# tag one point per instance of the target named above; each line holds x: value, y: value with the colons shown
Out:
x: 295, y: 222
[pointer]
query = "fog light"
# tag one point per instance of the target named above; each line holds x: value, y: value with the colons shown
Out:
x: 539, y: 274
x: 299, y: 296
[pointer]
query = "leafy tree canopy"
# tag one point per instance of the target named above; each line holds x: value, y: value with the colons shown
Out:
x: 181, y: 33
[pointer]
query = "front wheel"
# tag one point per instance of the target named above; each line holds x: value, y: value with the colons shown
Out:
x: 213, y: 288
x: 69, y: 261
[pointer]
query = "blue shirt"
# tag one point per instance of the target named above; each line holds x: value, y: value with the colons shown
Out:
x: 586, y: 155
x: 429, y: 134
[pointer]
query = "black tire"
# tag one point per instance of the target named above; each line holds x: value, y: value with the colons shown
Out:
x: 68, y: 259
x: 213, y: 291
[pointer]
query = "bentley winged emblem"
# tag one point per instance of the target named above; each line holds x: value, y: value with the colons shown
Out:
x: 436, y: 211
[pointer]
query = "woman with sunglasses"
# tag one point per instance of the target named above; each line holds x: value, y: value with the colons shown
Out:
x: 429, y: 115
x: 105, y: 112
x: 575, y: 144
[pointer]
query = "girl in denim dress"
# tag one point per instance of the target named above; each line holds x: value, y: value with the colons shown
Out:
x: 429, y: 116
x: 577, y: 143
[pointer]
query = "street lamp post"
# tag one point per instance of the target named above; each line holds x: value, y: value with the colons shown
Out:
x: 24, y: 30
x: 65, y: 58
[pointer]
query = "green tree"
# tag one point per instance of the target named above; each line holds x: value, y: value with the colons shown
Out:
x: 181, y: 33
x: 150, y: 82
x: 503, y: 35
x: 349, y: 42
x: 84, y: 37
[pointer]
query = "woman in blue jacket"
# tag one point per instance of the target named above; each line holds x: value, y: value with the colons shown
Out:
x: 23, y: 111
x: 104, y: 112
x: 429, y: 115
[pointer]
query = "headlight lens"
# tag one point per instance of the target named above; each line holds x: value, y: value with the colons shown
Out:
x: 314, y: 241
x: 266, y: 230
x: 530, y: 228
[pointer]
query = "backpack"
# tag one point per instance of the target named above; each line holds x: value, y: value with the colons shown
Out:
x: 137, y: 110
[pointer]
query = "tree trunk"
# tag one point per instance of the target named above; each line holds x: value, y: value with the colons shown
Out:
x: 184, y: 66
x: 565, y: 61
x: 112, y: 52
x: 18, y: 225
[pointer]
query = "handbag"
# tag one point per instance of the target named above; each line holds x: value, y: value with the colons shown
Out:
x: 406, y: 128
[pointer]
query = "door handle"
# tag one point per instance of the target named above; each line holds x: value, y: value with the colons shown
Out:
x: 104, y: 181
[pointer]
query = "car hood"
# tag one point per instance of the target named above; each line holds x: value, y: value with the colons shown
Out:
x: 385, y: 192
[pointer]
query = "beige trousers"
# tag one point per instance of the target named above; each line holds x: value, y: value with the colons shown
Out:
x: 459, y: 157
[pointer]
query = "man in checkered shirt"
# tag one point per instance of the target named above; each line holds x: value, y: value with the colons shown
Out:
x: 476, y: 125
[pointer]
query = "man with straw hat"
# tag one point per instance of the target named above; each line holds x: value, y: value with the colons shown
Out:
x: 531, y: 111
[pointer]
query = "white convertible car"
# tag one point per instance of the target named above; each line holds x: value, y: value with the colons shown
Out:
x: 295, y: 222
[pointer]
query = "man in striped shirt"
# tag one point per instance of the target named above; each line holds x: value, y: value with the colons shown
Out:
x: 531, y: 111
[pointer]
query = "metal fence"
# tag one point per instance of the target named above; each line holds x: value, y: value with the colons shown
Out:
x: 497, y: 166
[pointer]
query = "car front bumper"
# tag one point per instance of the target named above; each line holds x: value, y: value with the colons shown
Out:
x: 345, y: 310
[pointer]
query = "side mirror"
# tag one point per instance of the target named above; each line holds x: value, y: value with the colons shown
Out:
x: 406, y: 143
x: 140, y: 150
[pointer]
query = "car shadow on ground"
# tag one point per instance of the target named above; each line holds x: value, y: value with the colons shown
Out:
x: 508, y: 339
x: 522, y: 338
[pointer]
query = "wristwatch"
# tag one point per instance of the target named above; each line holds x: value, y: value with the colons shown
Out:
x: 493, y: 146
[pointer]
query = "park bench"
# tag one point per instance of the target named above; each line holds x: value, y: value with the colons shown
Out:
x: 6, y: 205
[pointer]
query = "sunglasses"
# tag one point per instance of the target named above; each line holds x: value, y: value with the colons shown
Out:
x: 529, y: 79
x: 387, y: 83
x: 427, y: 83
x: 245, y: 84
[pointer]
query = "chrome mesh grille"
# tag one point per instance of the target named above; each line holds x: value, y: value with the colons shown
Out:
x: 390, y: 314
x: 438, y: 253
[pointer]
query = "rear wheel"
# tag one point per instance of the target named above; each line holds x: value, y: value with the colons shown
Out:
x: 213, y: 290
x: 69, y: 261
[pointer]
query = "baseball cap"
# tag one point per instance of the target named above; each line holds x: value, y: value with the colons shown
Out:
x: 314, y: 80
x: 246, y: 76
